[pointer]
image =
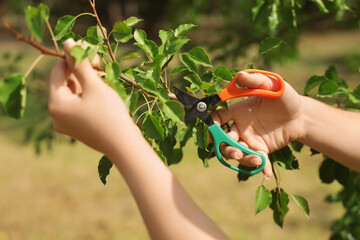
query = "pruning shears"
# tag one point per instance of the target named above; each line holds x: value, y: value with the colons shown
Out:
x: 198, y: 108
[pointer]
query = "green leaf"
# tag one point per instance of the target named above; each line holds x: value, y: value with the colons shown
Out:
x: 132, y: 21
x: 297, y: 146
x: 224, y: 73
x: 165, y: 35
x: 120, y: 89
x: 122, y: 32
x: 279, y: 205
x: 35, y: 19
x: 256, y: 9
x: 148, y: 46
x: 131, y: 101
x: 178, y: 69
x: 313, y: 82
x: 112, y: 71
x: 302, y: 203
x: 64, y: 26
x: 176, y: 157
x: 184, y: 135
x: 82, y: 52
x: 327, y: 171
x: 199, y: 56
x: 149, y: 86
x: 182, y: 29
x: 174, y: 110
x: 152, y: 127
x: 193, y: 80
x: 189, y: 63
x: 205, y: 154
x: 174, y: 45
x: 327, y: 88
x: 268, y: 44
x: 201, y: 135
x: 321, y: 6
x: 131, y: 55
x: 331, y: 73
x: 104, y: 168
x: 13, y: 95
x: 95, y: 32
x: 263, y: 199
x: 167, y: 146
x: 285, y: 158
x: 274, y: 17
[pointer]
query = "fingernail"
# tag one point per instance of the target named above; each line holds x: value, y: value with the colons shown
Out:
x: 244, y: 72
x: 266, y: 177
x: 255, y: 161
x: 234, y: 155
x: 69, y: 41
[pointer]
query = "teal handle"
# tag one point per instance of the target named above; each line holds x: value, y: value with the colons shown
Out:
x: 220, y: 136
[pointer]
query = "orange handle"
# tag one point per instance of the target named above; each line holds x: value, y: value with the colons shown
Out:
x: 232, y: 91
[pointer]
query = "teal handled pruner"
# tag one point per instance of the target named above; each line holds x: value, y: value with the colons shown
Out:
x: 198, y: 108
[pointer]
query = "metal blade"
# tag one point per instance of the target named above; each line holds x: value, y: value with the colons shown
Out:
x: 186, y: 99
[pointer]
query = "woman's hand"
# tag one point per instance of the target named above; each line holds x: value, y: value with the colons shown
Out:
x: 260, y: 123
x: 82, y: 105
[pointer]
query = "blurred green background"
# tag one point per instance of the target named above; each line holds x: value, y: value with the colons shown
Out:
x: 50, y: 189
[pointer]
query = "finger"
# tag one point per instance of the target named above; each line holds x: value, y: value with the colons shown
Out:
x: 58, y: 74
x: 257, y: 80
x: 221, y: 116
x: 229, y: 151
x: 84, y: 71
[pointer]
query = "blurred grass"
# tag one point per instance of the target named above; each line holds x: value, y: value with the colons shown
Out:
x: 58, y: 195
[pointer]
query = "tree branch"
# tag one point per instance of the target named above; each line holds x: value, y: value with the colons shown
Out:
x: 50, y: 52
x: 21, y: 37
x: 102, y: 31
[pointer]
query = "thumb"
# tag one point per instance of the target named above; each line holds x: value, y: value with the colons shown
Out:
x: 83, y: 71
x: 257, y: 80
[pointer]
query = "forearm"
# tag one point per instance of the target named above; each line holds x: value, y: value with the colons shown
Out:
x: 333, y: 132
x: 168, y: 211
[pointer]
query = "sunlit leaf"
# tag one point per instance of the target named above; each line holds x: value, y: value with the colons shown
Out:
x: 321, y: 6
x: 95, y: 32
x: 112, y: 71
x: 122, y: 32
x: 268, y: 44
x: 148, y: 46
x: 189, y: 63
x: 224, y: 73
x: 263, y: 199
x: 182, y: 29
x: 274, y: 17
x: 132, y: 21
x: 302, y: 203
x: 256, y: 9
x: 174, y: 45
x: 64, y: 26
x: 104, y: 168
x: 174, y: 110
x: 199, y: 56
x: 35, y: 19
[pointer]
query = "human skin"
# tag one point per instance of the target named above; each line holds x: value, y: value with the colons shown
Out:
x: 82, y: 106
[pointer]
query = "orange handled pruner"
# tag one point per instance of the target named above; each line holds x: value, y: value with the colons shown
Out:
x: 198, y: 108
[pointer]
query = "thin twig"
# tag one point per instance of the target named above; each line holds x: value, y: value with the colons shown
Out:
x: 275, y: 176
x: 102, y: 31
x: 21, y: 37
